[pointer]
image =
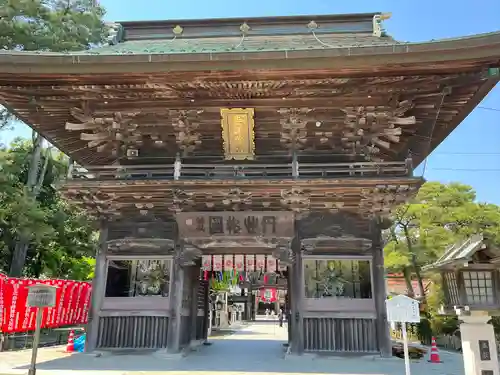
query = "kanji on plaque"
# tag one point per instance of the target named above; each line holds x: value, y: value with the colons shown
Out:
x: 217, y: 263
x: 270, y: 263
x: 250, y: 263
x: 239, y: 263
x: 261, y: 262
x: 206, y: 263
x: 216, y: 224
x: 228, y: 262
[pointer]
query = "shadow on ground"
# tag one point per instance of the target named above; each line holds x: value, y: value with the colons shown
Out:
x: 255, y: 349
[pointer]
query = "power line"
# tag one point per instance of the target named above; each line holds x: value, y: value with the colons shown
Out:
x: 467, y: 169
x: 465, y: 153
x: 488, y: 108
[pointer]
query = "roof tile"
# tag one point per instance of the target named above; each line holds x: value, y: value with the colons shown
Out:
x: 236, y: 44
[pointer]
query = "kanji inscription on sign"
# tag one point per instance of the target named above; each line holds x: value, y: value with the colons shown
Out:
x: 238, y: 133
x: 402, y: 309
x: 484, y: 350
x: 41, y: 295
x: 245, y: 224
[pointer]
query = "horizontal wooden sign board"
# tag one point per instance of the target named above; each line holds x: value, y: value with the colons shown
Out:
x: 236, y: 224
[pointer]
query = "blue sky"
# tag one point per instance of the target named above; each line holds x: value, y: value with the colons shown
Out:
x: 470, y: 155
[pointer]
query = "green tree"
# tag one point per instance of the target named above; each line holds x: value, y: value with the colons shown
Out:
x: 60, y: 238
x: 49, y: 25
x: 439, y: 216
x: 45, y: 25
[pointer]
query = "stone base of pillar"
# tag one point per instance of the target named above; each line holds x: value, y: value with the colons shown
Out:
x: 479, y: 345
x: 165, y: 354
x: 223, y: 320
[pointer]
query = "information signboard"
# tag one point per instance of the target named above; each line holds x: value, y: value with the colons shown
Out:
x: 403, y: 309
x: 40, y: 295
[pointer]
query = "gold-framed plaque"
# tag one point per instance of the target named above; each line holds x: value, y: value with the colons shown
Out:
x: 238, y: 133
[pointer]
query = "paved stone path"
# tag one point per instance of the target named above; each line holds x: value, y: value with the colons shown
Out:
x: 256, y: 349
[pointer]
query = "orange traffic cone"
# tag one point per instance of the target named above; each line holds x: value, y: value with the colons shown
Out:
x: 70, y: 347
x: 434, y: 357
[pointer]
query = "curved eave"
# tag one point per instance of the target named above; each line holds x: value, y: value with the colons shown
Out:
x: 478, y: 49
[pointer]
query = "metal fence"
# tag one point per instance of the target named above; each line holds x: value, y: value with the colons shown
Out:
x: 448, y: 342
x: 48, y: 337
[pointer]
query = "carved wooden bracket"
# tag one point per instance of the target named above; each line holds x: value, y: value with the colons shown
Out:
x: 327, y: 224
x: 141, y: 245
x: 113, y: 132
x: 295, y: 199
x: 96, y: 203
x: 368, y: 129
x: 383, y: 198
x: 236, y: 199
x: 188, y: 256
x: 185, y: 124
x: 284, y: 253
x: 181, y: 200
x: 345, y: 241
x: 293, y: 127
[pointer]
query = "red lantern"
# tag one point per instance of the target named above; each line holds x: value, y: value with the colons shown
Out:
x: 268, y: 295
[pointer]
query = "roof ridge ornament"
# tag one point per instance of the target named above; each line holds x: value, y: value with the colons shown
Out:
x: 244, y: 28
x: 177, y: 30
x: 314, y: 26
x: 115, y: 33
x: 378, y: 29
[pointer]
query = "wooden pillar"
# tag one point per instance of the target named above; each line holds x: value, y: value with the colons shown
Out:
x: 288, y: 304
x: 248, y: 305
x: 380, y: 292
x: 176, y: 294
x: 194, y: 279
x: 297, y: 284
x: 98, y: 289
x: 206, y: 309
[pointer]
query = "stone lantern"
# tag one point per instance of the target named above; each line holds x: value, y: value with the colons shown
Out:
x: 470, y: 273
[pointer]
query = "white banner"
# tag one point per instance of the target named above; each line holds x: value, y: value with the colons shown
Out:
x: 271, y: 264
x: 261, y: 262
x: 250, y: 263
x: 239, y: 263
x: 217, y: 263
x: 228, y: 262
x: 206, y: 263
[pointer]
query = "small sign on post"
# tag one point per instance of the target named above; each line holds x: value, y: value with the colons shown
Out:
x: 403, y: 309
x: 39, y: 296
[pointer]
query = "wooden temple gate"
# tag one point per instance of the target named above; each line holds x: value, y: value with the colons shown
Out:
x: 291, y: 138
x: 312, y: 247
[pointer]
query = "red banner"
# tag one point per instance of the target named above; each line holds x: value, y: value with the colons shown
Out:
x: 268, y: 295
x: 72, y: 304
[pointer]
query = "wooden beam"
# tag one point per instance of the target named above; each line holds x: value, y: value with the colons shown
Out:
x: 98, y: 289
x: 194, y: 277
x: 380, y: 292
x: 297, y: 291
x: 176, y: 294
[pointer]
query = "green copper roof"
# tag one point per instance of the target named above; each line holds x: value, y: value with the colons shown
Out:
x: 237, y: 44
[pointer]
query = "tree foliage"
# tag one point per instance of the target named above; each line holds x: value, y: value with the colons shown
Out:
x: 49, y: 25
x: 61, y: 238
x: 439, y: 216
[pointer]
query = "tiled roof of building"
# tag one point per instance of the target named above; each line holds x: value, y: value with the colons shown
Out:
x: 247, y: 44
